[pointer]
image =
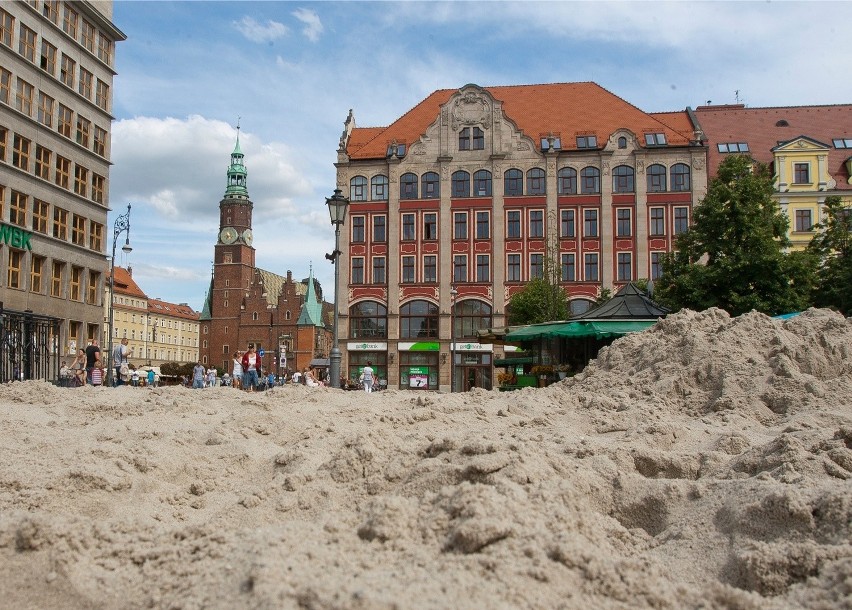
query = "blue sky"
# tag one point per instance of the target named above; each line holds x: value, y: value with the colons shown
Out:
x: 292, y: 70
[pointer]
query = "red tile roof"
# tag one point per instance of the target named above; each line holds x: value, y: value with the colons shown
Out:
x: 566, y: 109
x: 124, y: 284
x: 764, y: 128
x: 156, y: 306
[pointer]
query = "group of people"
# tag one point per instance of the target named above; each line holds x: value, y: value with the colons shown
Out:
x: 87, y: 368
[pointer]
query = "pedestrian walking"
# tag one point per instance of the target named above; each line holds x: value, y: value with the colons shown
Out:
x: 251, y: 365
x: 198, y: 376
x: 367, y: 377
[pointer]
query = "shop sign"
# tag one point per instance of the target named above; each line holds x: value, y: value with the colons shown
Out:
x: 418, y: 376
x: 472, y: 347
x: 419, y: 346
x: 366, y: 347
x: 15, y: 237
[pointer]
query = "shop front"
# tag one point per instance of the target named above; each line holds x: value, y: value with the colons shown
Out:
x: 473, y: 366
x: 418, y: 365
x: 359, y: 354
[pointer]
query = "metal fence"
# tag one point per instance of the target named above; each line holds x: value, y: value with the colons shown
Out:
x: 29, y: 346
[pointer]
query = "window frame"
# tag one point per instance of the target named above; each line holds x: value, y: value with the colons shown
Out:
x: 590, y: 180
x: 566, y: 181
x: 358, y: 231
x: 535, y: 224
x: 408, y: 183
x: 460, y: 229
x: 356, y: 274
x: 379, y: 188
x: 358, y: 188
x: 623, y: 179
x: 408, y: 226
x: 514, y: 226
x: 407, y: 270
x: 430, y: 185
x: 482, y: 183
x: 591, y: 267
x: 483, y: 225
x: 681, y: 178
x: 460, y: 271
x: 483, y: 268
x: 657, y: 222
x: 591, y: 222
x: 657, y: 178
x: 513, y: 268
x: 624, y: 266
x: 536, y: 181
x: 460, y: 182
x: 568, y: 267
x: 624, y: 222
x: 513, y: 182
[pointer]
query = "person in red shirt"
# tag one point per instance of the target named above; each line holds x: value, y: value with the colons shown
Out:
x: 251, y: 368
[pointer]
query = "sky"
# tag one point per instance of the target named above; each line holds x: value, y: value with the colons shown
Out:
x: 289, y: 72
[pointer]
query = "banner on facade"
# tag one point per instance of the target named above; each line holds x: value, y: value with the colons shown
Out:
x: 364, y: 346
x: 473, y: 347
x: 419, y: 346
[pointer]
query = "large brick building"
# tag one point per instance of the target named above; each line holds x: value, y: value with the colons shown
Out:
x: 459, y: 202
x: 285, y: 318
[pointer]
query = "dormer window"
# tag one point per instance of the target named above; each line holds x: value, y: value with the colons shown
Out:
x: 842, y: 142
x: 622, y: 142
x: 732, y: 147
x: 471, y: 138
x: 551, y: 143
x: 655, y: 139
x: 801, y: 173
x: 587, y: 142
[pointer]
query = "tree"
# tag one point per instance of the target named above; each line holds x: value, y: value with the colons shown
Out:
x: 733, y: 256
x: 542, y: 299
x: 832, y: 249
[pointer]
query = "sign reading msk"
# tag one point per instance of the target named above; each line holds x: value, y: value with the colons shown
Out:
x: 15, y: 237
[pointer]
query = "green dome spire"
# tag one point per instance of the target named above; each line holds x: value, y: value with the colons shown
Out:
x: 237, y: 173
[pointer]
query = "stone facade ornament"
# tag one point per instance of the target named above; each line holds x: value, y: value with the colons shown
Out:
x: 471, y: 109
x: 698, y: 162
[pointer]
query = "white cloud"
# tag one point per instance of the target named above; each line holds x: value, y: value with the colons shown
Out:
x: 257, y: 32
x: 313, y: 26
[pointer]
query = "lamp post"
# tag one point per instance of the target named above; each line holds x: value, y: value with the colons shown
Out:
x: 337, y: 205
x: 122, y: 224
x: 453, y: 294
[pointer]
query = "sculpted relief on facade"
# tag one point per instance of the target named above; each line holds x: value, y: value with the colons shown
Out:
x: 471, y: 109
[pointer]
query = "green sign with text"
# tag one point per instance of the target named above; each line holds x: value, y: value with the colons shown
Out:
x: 15, y: 237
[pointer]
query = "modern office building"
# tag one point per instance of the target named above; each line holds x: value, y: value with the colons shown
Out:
x: 808, y: 147
x: 457, y: 204
x: 56, y: 74
x: 286, y: 319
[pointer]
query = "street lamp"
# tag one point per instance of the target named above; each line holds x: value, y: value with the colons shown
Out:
x: 337, y: 205
x: 122, y: 224
x: 453, y: 294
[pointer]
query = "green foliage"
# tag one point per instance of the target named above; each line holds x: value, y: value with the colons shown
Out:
x: 538, y: 301
x: 733, y: 256
x: 603, y: 297
x: 831, y: 249
x: 177, y: 368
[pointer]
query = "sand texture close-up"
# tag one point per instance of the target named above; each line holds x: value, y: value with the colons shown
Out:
x: 704, y: 463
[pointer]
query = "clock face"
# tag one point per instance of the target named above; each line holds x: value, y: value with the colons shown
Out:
x: 247, y: 236
x: 228, y: 235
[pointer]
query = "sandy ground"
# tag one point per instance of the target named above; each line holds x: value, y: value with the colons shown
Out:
x: 705, y: 463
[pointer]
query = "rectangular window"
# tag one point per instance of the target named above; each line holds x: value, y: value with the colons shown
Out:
x: 625, y: 266
x: 624, y: 222
x: 591, y: 268
x: 84, y: 131
x: 460, y: 225
x: 5, y: 85
x: 67, y: 69
x: 24, y: 97
x: 56, y: 279
x: 656, y: 265
x: 567, y: 225
x: 27, y: 43
x: 804, y: 221
x: 802, y: 173
x: 681, y: 220
x: 358, y: 229
x: 40, y: 216
x: 380, y: 234
x: 657, y: 221
x: 513, y: 224
x: 732, y: 147
x: 81, y: 180
x: 105, y: 49
x: 460, y: 268
x: 590, y: 223
x: 51, y: 10
x: 430, y: 269
x: 99, y: 146
x: 483, y: 268
x: 84, y: 86
x: 48, y: 57
x: 102, y: 96
x: 358, y: 270
x: 96, y: 236
x: 36, y: 273
x: 69, y: 21
x: 587, y: 142
x: 97, y: 188
x: 60, y: 223
x: 513, y: 268
x: 21, y: 153
x: 568, y: 268
x: 45, y: 109
x: 16, y: 258
x: 4, y: 134
x: 407, y: 269
x: 379, y: 274
x: 536, y: 223
x: 92, y: 288
x: 18, y: 209
x: 430, y: 226
x: 78, y: 230
x: 42, y: 164
x: 88, y: 36
x: 536, y: 266
x: 66, y: 121
x: 483, y: 225
x: 408, y: 232
x: 464, y: 139
x: 7, y: 26
x: 842, y: 142
x: 76, y: 283
x: 478, y: 139
x: 655, y: 139
x: 63, y: 172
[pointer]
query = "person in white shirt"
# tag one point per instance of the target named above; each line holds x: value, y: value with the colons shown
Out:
x: 367, y: 377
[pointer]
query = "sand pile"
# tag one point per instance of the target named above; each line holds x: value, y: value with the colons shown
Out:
x: 705, y: 463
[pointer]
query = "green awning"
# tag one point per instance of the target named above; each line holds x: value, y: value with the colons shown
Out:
x: 513, y: 361
x: 600, y: 329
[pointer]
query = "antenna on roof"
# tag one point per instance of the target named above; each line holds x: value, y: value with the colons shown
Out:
x: 737, y: 96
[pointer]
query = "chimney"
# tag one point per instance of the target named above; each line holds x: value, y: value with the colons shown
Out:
x: 129, y: 270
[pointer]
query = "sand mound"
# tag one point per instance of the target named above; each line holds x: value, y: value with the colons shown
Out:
x: 705, y: 463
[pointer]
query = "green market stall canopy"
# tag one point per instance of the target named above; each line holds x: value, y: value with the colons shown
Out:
x: 599, y: 329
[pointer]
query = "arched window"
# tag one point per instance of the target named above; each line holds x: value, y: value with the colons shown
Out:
x: 482, y: 183
x: 590, y: 180
x: 470, y: 316
x: 430, y: 186
x: 379, y: 188
x: 358, y: 189
x: 656, y: 178
x: 461, y: 184
x: 536, y: 184
x: 368, y: 320
x: 622, y: 142
x: 418, y: 319
x: 622, y: 179
x: 408, y: 186
x: 579, y: 306
x: 566, y: 181
x: 680, y: 177
x: 513, y: 182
